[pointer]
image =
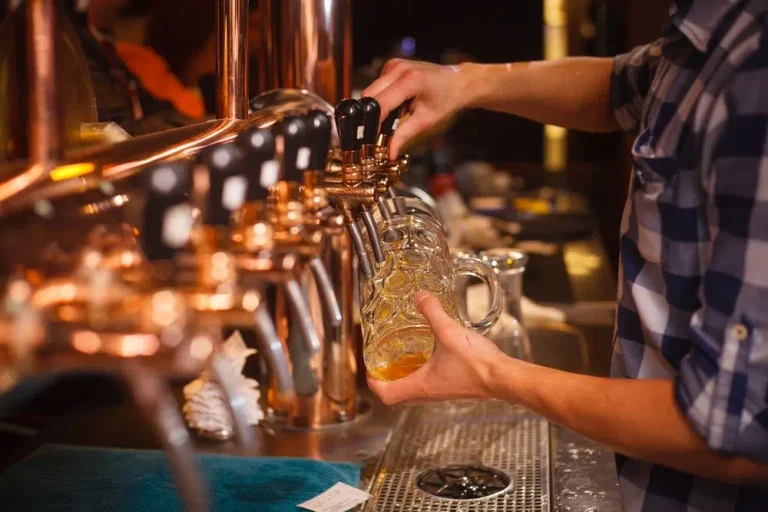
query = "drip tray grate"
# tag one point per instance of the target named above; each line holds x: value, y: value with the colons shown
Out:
x: 463, y: 482
x: 465, y: 457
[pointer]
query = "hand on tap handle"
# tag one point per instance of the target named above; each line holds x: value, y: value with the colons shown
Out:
x: 227, y: 184
x: 396, y: 167
x: 350, y: 119
x: 388, y: 127
x: 167, y: 223
x: 437, y: 93
x: 349, y: 123
x: 389, y: 124
x: 372, y: 116
x: 262, y: 169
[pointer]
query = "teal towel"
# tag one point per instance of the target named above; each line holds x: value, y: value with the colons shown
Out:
x: 82, y: 479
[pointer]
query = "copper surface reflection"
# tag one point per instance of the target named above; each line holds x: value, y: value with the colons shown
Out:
x: 87, y: 342
x: 201, y: 347
x: 132, y: 345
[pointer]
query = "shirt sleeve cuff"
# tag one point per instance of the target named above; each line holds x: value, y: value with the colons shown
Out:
x: 623, y: 101
x: 633, y: 74
x: 723, y: 406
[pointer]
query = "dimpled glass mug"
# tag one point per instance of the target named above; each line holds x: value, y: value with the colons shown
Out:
x: 397, y: 339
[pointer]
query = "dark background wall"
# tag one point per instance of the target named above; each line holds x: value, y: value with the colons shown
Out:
x: 486, y: 30
x: 505, y: 31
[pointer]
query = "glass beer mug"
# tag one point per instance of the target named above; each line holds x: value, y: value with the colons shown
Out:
x: 397, y: 339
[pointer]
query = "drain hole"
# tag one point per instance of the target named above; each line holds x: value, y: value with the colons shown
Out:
x: 468, y: 482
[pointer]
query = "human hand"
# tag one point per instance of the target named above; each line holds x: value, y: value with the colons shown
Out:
x: 437, y: 93
x: 459, y: 368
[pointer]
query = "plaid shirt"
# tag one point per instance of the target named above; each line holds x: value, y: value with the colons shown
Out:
x: 693, y: 288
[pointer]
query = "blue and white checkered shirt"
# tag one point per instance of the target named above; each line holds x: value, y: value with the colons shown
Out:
x: 693, y: 287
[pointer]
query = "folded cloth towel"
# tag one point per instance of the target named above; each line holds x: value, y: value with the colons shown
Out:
x: 72, y: 478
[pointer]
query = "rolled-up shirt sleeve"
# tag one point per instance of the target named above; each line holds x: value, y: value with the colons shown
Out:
x: 722, y: 386
x: 633, y: 73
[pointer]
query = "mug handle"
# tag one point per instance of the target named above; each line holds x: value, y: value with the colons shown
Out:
x: 481, y: 270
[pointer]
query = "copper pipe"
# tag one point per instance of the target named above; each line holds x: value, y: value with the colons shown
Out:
x: 339, y: 360
x: 86, y: 170
x: 45, y: 122
x: 232, y: 62
x: 330, y: 304
x: 300, y: 309
x: 373, y: 236
x: 307, y: 44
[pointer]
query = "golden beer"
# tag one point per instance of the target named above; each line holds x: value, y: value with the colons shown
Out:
x: 397, y: 340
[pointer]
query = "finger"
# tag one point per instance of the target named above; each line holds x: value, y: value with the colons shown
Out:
x: 379, y: 85
x: 393, y: 64
x: 391, y: 71
x: 433, y: 312
x: 407, y: 85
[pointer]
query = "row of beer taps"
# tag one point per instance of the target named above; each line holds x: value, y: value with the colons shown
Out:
x: 364, y: 176
x: 218, y: 233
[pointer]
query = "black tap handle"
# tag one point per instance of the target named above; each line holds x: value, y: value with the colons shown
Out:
x: 349, y: 122
x: 319, y: 126
x: 227, y: 184
x: 167, y: 220
x: 371, y: 118
x: 261, y: 168
x: 296, y: 147
x: 390, y: 122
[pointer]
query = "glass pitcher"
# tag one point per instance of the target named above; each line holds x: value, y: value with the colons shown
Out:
x: 510, y: 266
x: 397, y: 340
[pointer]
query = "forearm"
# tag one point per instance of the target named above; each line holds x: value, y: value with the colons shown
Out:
x: 573, y: 92
x: 638, y: 418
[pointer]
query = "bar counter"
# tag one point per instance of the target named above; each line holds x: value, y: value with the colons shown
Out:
x: 399, y: 446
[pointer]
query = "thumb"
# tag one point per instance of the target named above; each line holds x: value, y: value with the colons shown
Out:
x: 434, y: 313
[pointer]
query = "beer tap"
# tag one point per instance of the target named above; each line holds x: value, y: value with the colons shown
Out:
x: 371, y: 115
x: 393, y: 169
x: 188, y: 267
x: 269, y: 228
x: 314, y: 196
x: 299, y: 148
x: 129, y: 316
x: 374, y: 170
x: 338, y: 402
x: 290, y: 232
x: 371, y: 118
x: 347, y: 186
x: 222, y: 185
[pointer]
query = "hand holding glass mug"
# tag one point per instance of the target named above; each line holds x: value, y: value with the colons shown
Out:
x: 460, y: 369
x: 397, y: 339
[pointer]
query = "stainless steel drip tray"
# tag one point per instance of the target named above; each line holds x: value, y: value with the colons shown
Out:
x: 484, y: 456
